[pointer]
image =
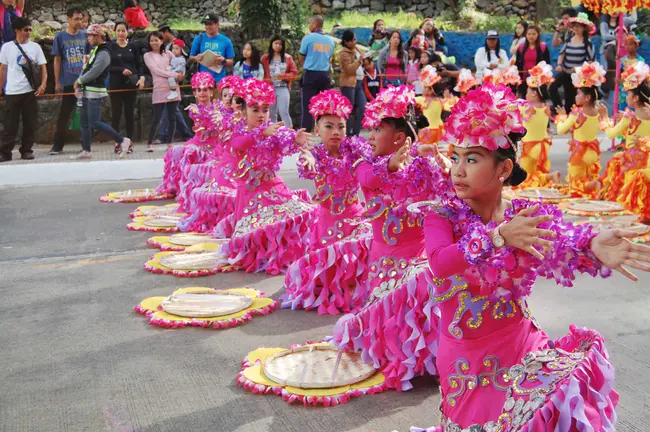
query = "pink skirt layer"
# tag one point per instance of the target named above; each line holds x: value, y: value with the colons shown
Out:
x: 208, y: 205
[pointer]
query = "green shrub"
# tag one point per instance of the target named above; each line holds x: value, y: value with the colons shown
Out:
x: 260, y: 18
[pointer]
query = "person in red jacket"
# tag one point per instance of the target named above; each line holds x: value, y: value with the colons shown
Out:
x: 280, y: 70
x: 134, y: 15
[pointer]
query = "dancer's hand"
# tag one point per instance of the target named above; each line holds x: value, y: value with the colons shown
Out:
x: 431, y: 150
x: 307, y: 160
x: 303, y: 137
x: 614, y: 249
x: 522, y: 233
x: 560, y: 111
x: 271, y: 130
x: 400, y: 158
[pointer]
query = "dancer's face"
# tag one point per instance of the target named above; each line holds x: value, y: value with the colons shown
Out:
x: 386, y: 139
x: 632, y: 100
x: 257, y: 115
x: 203, y: 95
x: 331, y: 129
x: 475, y: 173
x: 581, y: 99
x: 226, y: 96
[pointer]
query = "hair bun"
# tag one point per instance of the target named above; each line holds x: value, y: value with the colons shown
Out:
x: 518, y: 175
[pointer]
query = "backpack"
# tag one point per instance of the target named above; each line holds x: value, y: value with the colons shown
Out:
x: 31, y: 70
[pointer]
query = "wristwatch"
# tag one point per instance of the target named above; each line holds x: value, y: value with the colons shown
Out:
x: 497, y: 239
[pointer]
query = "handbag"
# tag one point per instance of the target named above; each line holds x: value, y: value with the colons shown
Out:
x: 31, y: 70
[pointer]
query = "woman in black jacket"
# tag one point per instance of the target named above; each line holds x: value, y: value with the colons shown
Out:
x: 529, y: 53
x: 126, y: 75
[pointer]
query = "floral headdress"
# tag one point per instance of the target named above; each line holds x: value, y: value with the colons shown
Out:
x: 258, y: 93
x: 635, y: 75
x: 466, y: 81
x: 588, y: 75
x: 429, y: 76
x: 330, y: 102
x: 583, y: 19
x: 509, y: 76
x: 231, y: 82
x: 203, y: 80
x: 484, y: 118
x: 541, y: 74
x: 390, y: 102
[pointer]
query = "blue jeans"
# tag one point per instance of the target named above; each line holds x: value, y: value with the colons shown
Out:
x: 181, y: 126
x: 357, y: 98
x: 90, y: 117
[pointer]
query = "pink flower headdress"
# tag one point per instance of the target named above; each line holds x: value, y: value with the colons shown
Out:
x: 635, y: 75
x: 258, y: 92
x: 466, y: 81
x: 231, y: 82
x: 484, y: 118
x: 390, y: 102
x: 330, y: 102
x: 429, y: 76
x: 588, y: 75
x: 541, y: 74
x: 203, y: 80
x: 509, y: 76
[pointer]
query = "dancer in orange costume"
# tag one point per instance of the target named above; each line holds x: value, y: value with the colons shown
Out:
x: 432, y: 103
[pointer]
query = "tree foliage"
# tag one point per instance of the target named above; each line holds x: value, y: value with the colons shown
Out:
x: 260, y: 18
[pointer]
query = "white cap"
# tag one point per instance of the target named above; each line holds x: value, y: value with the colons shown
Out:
x: 492, y: 34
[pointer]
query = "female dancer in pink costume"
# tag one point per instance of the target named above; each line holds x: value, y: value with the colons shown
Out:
x: 270, y: 224
x: 397, y: 328
x: 315, y: 282
x: 498, y: 370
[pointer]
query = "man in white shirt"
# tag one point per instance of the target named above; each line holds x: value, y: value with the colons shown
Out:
x: 21, y: 90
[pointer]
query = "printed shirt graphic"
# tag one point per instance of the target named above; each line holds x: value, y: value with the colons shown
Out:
x: 11, y: 56
x: 219, y: 44
x: 72, y: 50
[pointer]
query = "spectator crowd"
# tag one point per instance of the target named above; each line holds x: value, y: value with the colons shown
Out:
x: 90, y: 67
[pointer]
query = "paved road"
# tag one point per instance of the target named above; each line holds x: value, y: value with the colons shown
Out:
x: 76, y: 358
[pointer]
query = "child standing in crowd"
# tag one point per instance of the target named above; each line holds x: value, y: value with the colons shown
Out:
x: 378, y: 40
x: 249, y: 66
x: 425, y: 58
x: 413, y: 70
x: 372, y: 82
x: 178, y: 65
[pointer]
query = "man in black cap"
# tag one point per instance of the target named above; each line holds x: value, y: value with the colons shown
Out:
x: 168, y: 36
x: 218, y: 44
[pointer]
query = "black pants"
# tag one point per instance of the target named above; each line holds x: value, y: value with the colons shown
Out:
x: 123, y: 102
x: 157, y: 116
x: 563, y: 79
x: 313, y: 82
x: 17, y: 106
x: 68, y: 105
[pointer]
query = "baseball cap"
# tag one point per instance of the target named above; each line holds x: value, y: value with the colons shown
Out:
x: 210, y: 18
x: 95, y: 30
x: 492, y: 34
x: 179, y: 42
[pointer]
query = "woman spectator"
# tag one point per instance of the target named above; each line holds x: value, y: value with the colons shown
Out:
x: 529, y: 54
x: 490, y: 56
x: 351, y: 83
x: 608, y: 26
x: 379, y: 39
x: 392, y: 60
x: 134, y: 15
x: 249, y: 66
x: 520, y: 36
x: 433, y: 36
x: 158, y: 62
x: 279, y: 69
x: 125, y: 75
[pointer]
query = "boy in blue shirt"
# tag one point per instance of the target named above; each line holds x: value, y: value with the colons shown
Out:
x: 214, y: 41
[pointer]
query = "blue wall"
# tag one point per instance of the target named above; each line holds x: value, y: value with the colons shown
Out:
x: 463, y: 46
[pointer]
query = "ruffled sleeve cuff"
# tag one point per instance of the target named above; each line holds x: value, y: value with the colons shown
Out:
x: 476, y: 245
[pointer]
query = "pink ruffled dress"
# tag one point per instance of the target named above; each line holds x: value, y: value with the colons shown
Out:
x: 396, y: 330
x: 498, y: 370
x: 317, y: 281
x: 270, y: 227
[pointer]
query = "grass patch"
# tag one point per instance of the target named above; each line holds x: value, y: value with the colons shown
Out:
x: 399, y: 20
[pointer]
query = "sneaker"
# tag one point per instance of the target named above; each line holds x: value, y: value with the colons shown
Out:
x: 149, y: 148
x: 27, y: 156
x: 5, y: 158
x: 129, y: 145
x: 55, y: 152
x: 82, y: 155
x: 157, y: 141
x: 118, y: 148
x: 172, y: 96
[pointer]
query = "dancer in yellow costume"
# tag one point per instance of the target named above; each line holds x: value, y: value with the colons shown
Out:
x: 633, y: 125
x: 583, y: 123
x: 535, y: 115
x: 432, y: 104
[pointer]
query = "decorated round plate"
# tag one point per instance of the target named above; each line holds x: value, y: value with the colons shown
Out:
x: 628, y: 223
x: 149, y: 210
x: 545, y: 194
x: 259, y: 305
x: 201, y: 304
x: 202, y: 259
x: 190, y: 239
x: 317, y: 367
x: 165, y: 224
x: 589, y: 208
x: 162, y: 221
x: 135, y: 195
x: 254, y: 377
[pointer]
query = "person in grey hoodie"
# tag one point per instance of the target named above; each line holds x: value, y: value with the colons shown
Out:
x: 90, y: 89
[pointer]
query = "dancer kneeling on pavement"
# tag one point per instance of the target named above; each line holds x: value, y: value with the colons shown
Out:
x: 315, y: 281
x: 271, y: 223
x: 90, y: 88
x: 498, y: 370
x: 397, y: 329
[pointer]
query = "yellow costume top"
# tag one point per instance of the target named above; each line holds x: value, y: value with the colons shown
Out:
x: 583, y: 126
x: 432, y: 110
x: 630, y: 127
x: 535, y: 120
